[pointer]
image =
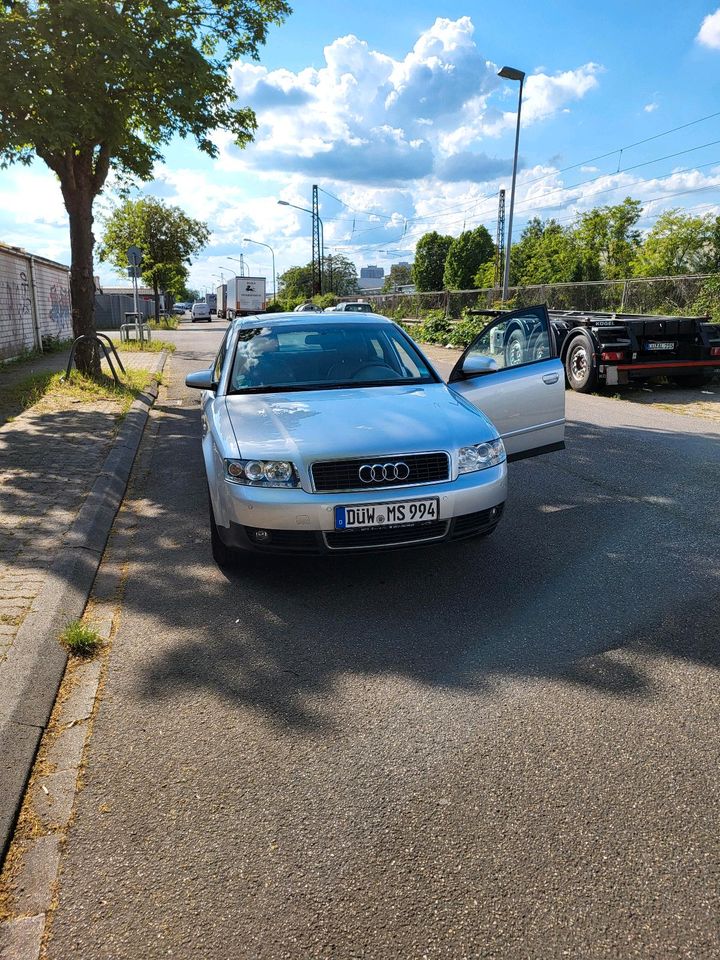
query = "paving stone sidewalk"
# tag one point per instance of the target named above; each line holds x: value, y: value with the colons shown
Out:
x: 50, y: 456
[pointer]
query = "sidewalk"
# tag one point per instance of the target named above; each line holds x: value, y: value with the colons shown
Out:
x: 51, y: 458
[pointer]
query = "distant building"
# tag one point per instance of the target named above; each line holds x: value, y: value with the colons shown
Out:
x: 372, y: 273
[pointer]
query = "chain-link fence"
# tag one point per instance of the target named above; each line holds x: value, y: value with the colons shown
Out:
x: 698, y: 293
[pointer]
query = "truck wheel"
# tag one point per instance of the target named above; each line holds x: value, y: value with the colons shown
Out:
x: 515, y: 349
x: 580, y: 368
x: 692, y: 379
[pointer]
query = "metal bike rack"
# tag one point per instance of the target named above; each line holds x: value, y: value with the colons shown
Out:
x: 97, y: 338
x: 140, y: 327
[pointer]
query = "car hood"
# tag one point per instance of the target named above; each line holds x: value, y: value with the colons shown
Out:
x: 359, y: 422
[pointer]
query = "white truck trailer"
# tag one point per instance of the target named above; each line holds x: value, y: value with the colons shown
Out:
x: 245, y: 296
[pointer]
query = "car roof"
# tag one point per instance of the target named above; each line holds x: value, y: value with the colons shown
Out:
x: 324, y: 319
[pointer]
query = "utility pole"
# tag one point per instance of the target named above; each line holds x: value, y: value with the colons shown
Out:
x: 500, y: 241
x: 317, y: 250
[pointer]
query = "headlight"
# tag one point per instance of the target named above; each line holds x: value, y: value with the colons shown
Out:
x: 262, y: 473
x: 481, y: 455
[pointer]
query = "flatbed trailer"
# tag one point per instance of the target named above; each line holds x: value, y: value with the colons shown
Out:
x: 617, y: 348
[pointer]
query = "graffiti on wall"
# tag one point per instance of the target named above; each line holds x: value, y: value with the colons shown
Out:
x: 18, y: 306
x: 60, y: 311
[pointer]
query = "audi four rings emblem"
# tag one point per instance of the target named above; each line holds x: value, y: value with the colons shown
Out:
x: 379, y: 472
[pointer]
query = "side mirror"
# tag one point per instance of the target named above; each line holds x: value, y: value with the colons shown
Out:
x: 201, y: 380
x: 474, y: 366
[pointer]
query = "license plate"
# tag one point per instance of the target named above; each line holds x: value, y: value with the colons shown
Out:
x: 386, y: 514
x: 659, y: 345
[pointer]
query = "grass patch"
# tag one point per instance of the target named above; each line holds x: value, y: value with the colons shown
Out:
x: 9, y: 621
x: 151, y: 346
x: 80, y: 640
x: 165, y: 323
x: 77, y: 389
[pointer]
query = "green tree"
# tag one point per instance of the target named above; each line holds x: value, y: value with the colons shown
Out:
x: 429, y: 266
x: 545, y: 253
x: 339, y: 275
x: 467, y: 252
x: 484, y: 279
x: 679, y: 243
x: 608, y: 241
x: 296, y: 282
x: 165, y: 234
x: 400, y: 273
x: 88, y: 87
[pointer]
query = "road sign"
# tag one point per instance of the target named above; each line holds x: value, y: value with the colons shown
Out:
x: 134, y: 256
x: 133, y: 272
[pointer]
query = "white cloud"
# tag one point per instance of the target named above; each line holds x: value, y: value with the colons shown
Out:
x: 367, y: 117
x: 650, y: 107
x: 709, y: 34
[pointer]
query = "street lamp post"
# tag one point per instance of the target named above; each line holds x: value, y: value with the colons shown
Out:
x: 510, y: 73
x: 284, y: 203
x: 272, y: 252
x: 242, y: 263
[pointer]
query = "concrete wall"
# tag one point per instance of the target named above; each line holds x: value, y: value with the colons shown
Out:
x: 34, y: 301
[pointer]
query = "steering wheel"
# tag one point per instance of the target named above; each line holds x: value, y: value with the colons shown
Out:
x: 375, y: 365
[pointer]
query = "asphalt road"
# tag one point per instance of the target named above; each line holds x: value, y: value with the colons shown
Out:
x: 503, y: 748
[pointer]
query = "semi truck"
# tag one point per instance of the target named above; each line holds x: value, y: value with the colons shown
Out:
x: 245, y: 296
x: 614, y: 348
x: 221, y: 300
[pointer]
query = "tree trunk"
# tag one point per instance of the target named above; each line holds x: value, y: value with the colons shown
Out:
x: 79, y: 202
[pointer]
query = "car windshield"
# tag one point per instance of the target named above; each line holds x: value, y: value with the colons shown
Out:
x: 311, y: 356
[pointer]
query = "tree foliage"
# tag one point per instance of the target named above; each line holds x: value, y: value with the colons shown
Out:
x: 296, y: 282
x: 465, y: 255
x: 400, y: 274
x: 546, y: 253
x: 165, y: 234
x: 609, y: 240
x: 680, y: 243
x: 429, y: 266
x: 339, y: 275
x: 89, y: 87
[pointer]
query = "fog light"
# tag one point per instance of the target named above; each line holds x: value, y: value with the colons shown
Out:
x: 262, y: 536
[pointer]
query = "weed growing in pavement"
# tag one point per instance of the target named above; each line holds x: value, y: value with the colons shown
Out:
x: 152, y: 346
x: 80, y: 640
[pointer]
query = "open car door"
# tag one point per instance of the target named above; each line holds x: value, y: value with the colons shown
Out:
x: 512, y: 373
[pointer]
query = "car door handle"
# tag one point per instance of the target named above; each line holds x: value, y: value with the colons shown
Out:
x: 551, y: 377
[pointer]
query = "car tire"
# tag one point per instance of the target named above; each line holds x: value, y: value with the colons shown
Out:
x: 223, y: 555
x: 692, y: 379
x: 515, y: 349
x: 580, y: 368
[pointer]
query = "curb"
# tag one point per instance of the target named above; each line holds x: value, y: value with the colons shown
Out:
x: 30, y: 676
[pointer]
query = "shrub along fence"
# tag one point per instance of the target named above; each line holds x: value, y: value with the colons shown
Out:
x: 695, y: 294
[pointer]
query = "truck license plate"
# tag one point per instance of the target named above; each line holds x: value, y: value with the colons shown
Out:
x: 386, y: 514
x: 659, y: 345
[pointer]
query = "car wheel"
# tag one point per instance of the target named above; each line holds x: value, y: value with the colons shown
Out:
x: 692, y: 379
x: 580, y: 368
x: 515, y: 349
x: 223, y: 555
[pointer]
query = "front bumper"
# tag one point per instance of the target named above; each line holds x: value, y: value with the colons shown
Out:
x: 279, y: 520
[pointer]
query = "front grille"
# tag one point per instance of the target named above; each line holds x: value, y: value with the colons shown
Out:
x: 339, y: 475
x: 386, y: 536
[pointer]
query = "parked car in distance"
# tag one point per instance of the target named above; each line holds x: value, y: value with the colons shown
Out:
x: 334, y: 434
x: 353, y: 306
x: 200, y: 311
x: 308, y: 308
x: 181, y: 307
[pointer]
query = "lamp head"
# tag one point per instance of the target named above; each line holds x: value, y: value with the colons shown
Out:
x: 510, y: 73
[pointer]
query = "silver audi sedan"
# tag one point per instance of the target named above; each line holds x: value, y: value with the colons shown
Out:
x: 332, y: 434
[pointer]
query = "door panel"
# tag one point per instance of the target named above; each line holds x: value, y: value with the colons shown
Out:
x: 521, y: 386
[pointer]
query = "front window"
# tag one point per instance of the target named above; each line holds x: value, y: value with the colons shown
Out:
x: 311, y: 356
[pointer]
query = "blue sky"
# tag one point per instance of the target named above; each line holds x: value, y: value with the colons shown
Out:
x: 396, y: 111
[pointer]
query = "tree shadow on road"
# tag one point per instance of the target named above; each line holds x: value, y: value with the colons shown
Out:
x: 585, y: 581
